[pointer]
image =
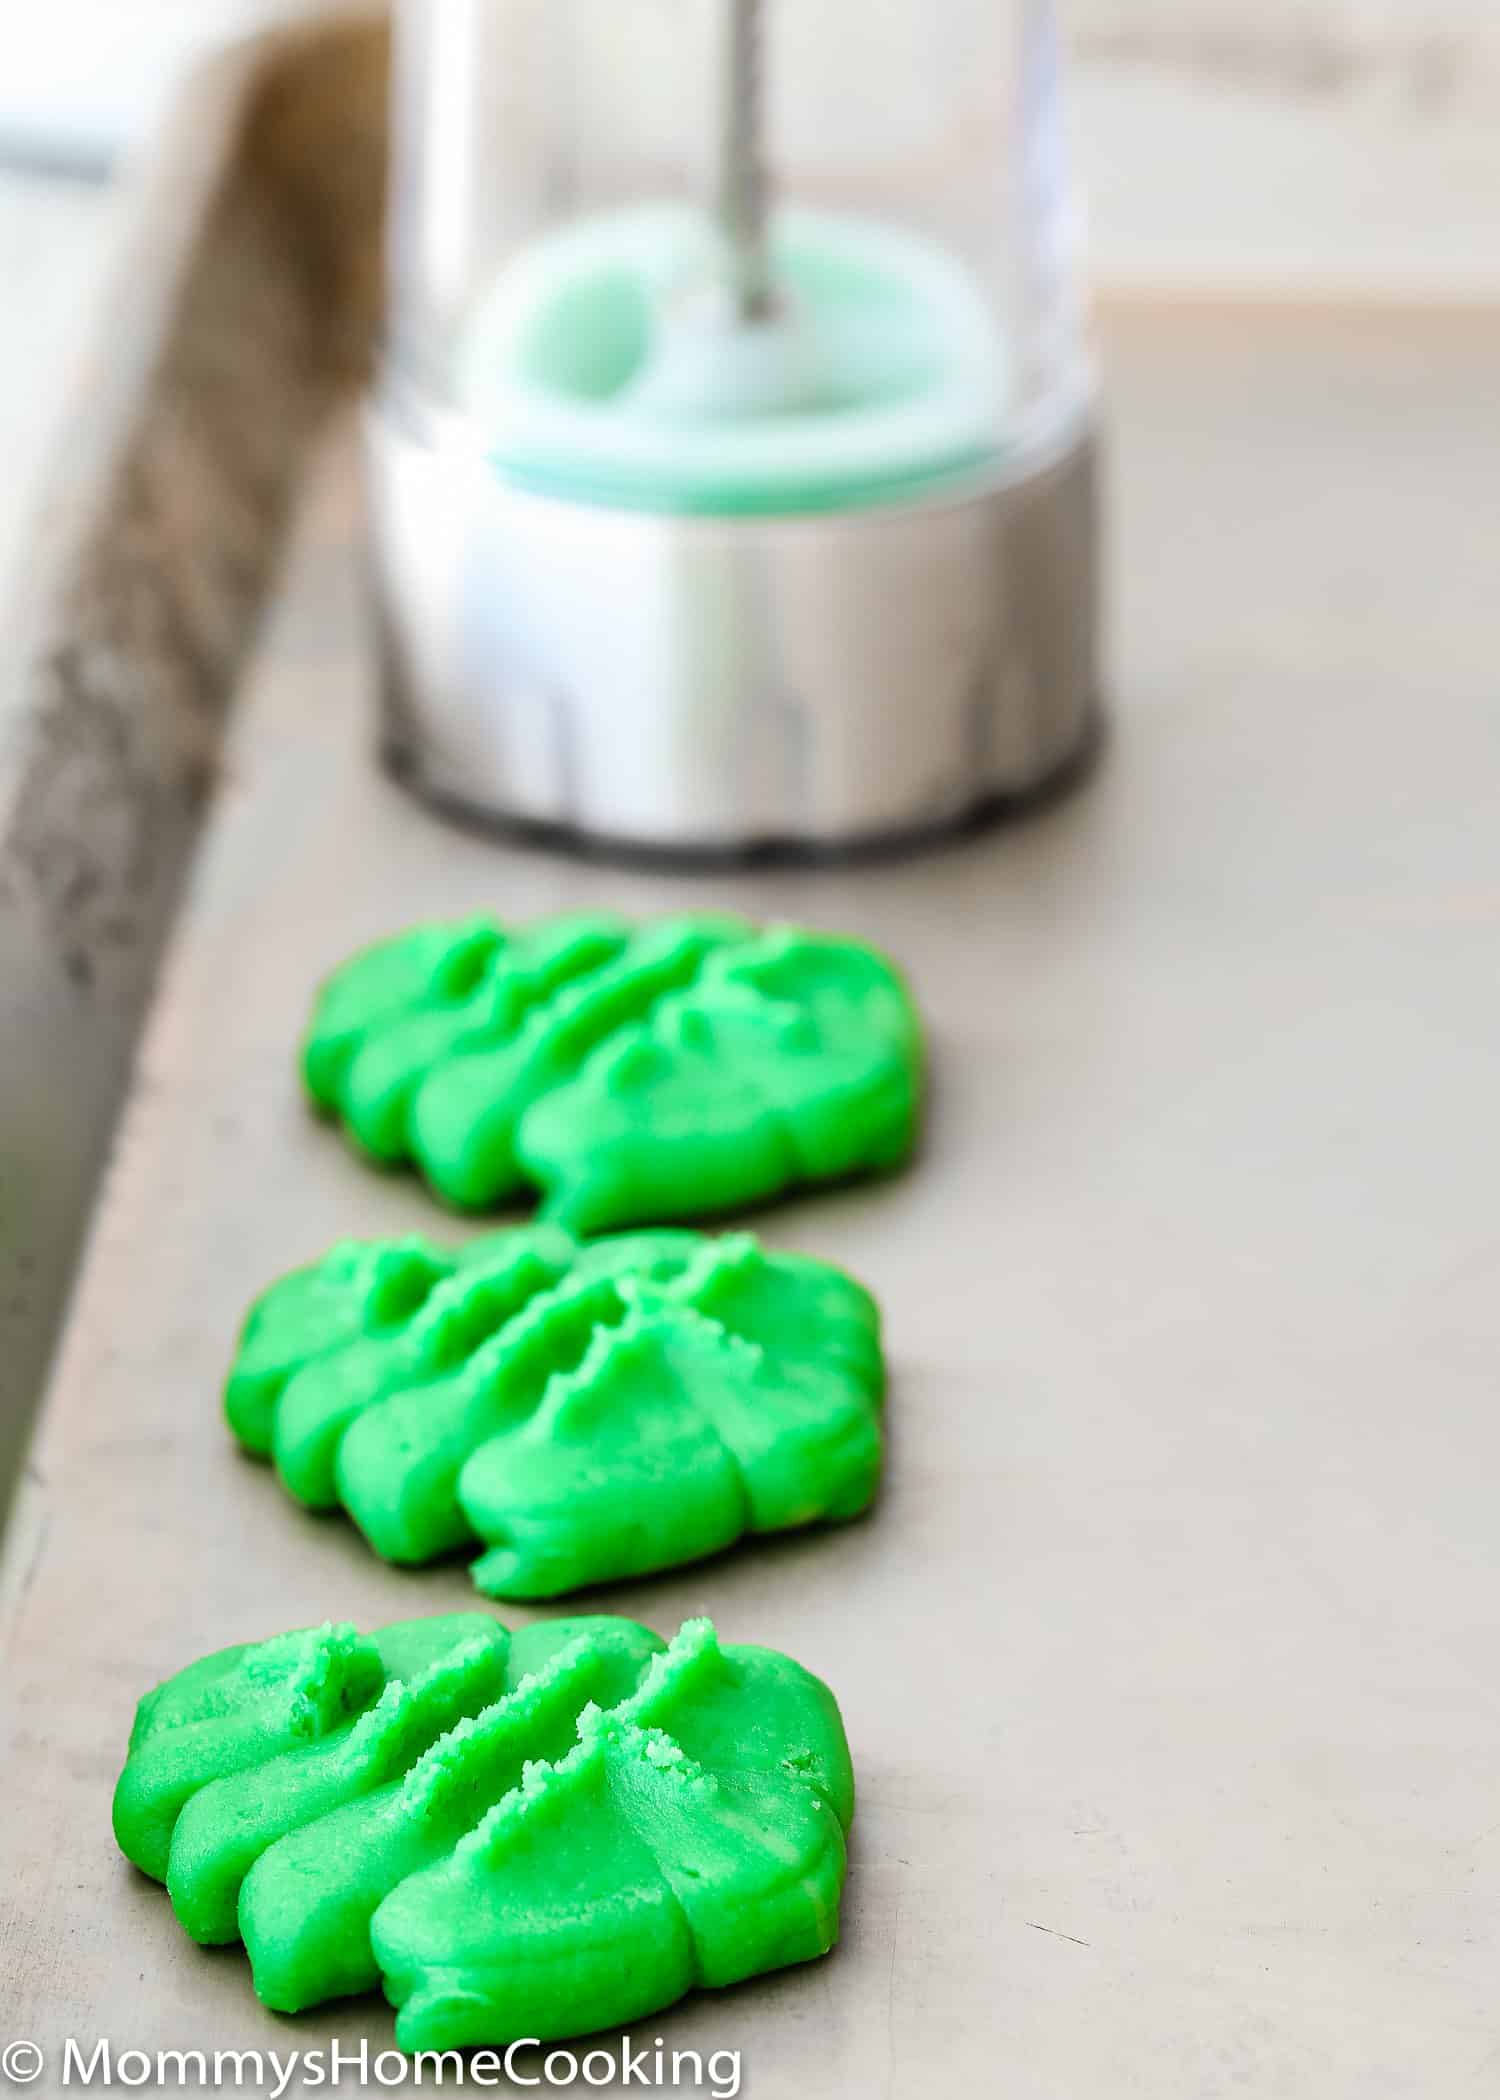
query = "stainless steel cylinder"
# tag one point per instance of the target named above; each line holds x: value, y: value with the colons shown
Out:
x: 731, y: 464
x: 726, y: 685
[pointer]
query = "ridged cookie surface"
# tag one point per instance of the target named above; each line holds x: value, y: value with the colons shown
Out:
x: 536, y: 1834
x: 584, y: 1411
x: 629, y: 1073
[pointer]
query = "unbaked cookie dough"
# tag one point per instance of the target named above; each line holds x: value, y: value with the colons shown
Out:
x: 517, y: 1835
x: 665, y: 1070
x: 585, y: 1411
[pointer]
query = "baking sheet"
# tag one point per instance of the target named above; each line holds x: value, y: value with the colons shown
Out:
x: 241, y: 303
x: 1168, y: 1656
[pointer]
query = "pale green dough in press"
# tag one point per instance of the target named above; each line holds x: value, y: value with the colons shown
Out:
x: 580, y: 1411
x: 627, y: 1072
x: 538, y: 1834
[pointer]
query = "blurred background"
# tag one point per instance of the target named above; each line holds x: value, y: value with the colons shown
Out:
x: 1316, y: 144
x: 1307, y: 149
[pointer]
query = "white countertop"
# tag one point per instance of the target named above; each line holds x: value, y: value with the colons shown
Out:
x: 56, y: 243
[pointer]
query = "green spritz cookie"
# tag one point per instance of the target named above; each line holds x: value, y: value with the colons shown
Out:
x: 585, y: 1411
x: 628, y: 1072
x: 529, y: 1834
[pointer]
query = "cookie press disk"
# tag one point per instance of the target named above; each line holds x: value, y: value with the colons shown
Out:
x: 731, y: 457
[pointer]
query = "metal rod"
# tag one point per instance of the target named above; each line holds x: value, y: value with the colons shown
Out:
x: 741, y: 206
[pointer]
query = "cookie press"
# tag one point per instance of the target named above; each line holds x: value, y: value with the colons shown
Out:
x: 731, y: 455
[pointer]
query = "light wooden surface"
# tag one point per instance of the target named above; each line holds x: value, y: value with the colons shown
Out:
x: 1169, y: 1654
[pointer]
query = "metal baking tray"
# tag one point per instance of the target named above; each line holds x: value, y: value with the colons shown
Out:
x: 1167, y: 1653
